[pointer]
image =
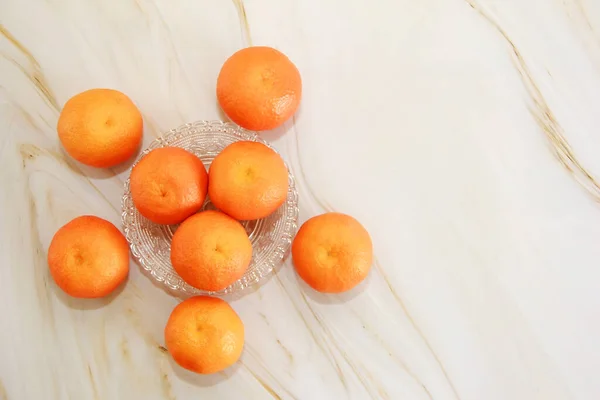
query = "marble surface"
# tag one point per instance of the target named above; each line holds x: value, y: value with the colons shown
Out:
x: 464, y: 134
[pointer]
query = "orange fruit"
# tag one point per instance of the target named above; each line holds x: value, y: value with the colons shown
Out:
x: 332, y: 252
x: 100, y: 127
x: 210, y: 251
x: 248, y: 180
x: 259, y: 88
x: 168, y: 185
x: 88, y: 257
x: 204, y: 335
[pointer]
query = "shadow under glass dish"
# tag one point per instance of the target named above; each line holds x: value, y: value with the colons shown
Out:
x: 150, y: 243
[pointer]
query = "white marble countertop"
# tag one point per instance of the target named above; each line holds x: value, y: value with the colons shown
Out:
x: 464, y: 134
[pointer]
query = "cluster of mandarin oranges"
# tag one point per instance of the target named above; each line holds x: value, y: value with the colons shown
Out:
x: 258, y: 88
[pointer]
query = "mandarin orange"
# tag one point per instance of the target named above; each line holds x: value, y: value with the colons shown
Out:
x: 248, y: 180
x: 100, y: 127
x: 168, y: 185
x: 210, y: 251
x: 332, y: 252
x: 204, y: 335
x: 88, y: 257
x: 259, y: 88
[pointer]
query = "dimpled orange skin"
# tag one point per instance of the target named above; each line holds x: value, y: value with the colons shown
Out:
x: 332, y: 252
x: 88, y: 257
x: 168, y: 185
x: 204, y: 335
x: 100, y: 127
x: 210, y: 250
x: 259, y: 88
x: 248, y: 180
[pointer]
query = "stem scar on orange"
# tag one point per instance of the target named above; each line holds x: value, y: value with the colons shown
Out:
x: 259, y: 88
x: 88, y: 257
x: 204, y: 335
x: 168, y: 185
x: 100, y: 127
x: 332, y: 252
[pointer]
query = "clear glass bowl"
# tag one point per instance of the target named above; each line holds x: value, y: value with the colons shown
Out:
x: 150, y: 243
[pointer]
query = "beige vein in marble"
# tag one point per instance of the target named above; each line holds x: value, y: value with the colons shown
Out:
x: 543, y: 115
x: 244, y: 25
x: 30, y: 151
x: 36, y: 77
x: 165, y: 381
x: 3, y: 395
x: 584, y: 14
x: 324, y: 350
x: 302, y: 176
x: 272, y: 392
x: 399, y: 300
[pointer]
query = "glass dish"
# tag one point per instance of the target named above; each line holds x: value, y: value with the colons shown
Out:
x: 150, y: 243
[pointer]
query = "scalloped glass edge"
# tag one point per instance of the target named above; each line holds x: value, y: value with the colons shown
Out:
x: 250, y: 278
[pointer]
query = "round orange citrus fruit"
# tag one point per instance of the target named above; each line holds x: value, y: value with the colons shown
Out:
x: 248, y: 180
x: 88, y: 257
x: 210, y: 251
x: 259, y: 88
x: 204, y: 335
x: 332, y: 252
x: 168, y: 185
x: 100, y: 127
